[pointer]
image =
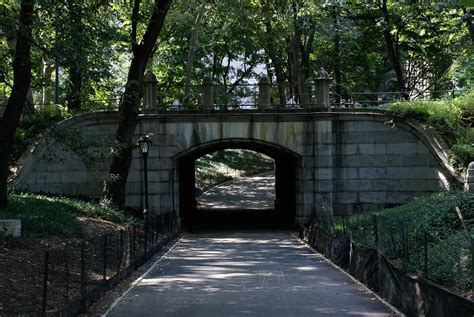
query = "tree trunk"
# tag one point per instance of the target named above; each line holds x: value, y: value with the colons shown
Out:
x: 114, y: 187
x: 76, y: 60
x: 296, y: 72
x: 272, y: 53
x: 306, y: 48
x: 16, y: 102
x: 28, y: 108
x: 298, y: 57
x: 393, y: 54
x: 74, y: 98
x: 47, y: 89
x: 189, y: 64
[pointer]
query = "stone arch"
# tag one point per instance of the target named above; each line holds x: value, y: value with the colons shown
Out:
x: 287, y: 175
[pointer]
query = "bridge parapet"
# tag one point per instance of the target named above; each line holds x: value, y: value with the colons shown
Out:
x: 311, y: 94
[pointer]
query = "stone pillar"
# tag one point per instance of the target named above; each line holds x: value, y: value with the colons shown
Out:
x: 470, y: 177
x: 264, y: 100
x: 149, y: 98
x: 322, y: 81
x: 207, y: 94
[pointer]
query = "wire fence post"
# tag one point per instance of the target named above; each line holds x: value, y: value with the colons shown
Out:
x: 130, y: 246
x: 344, y: 225
x: 472, y: 262
x: 83, y: 273
x: 67, y: 277
x: 425, y: 249
x: 376, y: 231
x: 45, y: 284
x: 104, y: 264
x: 145, y: 239
x: 404, y: 247
x: 133, y: 246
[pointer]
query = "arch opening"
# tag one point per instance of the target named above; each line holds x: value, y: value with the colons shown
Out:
x: 278, y: 213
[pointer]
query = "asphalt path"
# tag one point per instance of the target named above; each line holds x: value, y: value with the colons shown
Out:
x: 253, y: 192
x: 246, y: 274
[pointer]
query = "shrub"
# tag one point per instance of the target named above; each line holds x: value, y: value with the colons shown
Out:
x: 462, y: 155
x: 452, y: 119
x: 434, y: 218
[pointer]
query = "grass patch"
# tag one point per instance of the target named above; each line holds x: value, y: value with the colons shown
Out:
x: 429, y: 222
x: 453, y: 119
x: 48, y: 215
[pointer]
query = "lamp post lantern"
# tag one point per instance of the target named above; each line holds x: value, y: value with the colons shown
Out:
x: 145, y: 146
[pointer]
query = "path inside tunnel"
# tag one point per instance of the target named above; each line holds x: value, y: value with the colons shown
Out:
x: 256, y: 192
x: 246, y: 274
x: 242, y: 203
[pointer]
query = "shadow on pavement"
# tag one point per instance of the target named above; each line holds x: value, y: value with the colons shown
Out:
x: 233, y: 219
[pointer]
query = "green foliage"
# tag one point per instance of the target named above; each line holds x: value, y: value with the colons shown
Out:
x: 441, y: 115
x: 465, y: 105
x: 33, y: 125
x: 462, y: 155
x: 453, y: 119
x: 42, y: 214
x: 433, y: 218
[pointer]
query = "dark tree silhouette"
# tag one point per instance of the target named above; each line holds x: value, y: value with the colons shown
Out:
x: 18, y: 97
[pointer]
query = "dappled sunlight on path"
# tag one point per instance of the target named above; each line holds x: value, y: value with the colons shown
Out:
x: 235, y: 274
x: 253, y: 192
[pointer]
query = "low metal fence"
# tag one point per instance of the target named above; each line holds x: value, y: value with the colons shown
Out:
x: 72, y: 277
x: 445, y: 259
x: 339, y: 240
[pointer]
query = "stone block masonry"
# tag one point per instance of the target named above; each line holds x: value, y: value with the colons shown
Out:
x: 346, y: 162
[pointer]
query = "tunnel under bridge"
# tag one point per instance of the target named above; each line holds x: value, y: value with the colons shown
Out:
x: 327, y: 163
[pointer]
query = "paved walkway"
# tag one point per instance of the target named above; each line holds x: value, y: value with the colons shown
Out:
x: 246, y: 274
x: 253, y: 192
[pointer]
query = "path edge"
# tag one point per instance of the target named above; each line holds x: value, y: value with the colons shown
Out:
x: 139, y: 279
x: 360, y: 284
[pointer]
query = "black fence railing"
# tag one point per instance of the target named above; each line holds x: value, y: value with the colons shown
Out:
x: 75, y: 275
x: 286, y: 96
x: 374, y: 99
x: 246, y: 97
x: 403, y: 276
x: 445, y: 259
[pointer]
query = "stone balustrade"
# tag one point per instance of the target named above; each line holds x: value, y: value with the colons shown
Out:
x: 313, y: 93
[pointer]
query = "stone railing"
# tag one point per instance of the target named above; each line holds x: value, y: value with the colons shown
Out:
x: 312, y: 94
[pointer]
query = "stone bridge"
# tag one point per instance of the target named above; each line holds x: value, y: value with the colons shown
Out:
x: 326, y: 163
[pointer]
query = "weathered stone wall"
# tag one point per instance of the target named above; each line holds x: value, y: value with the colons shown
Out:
x: 348, y: 162
x: 382, y: 164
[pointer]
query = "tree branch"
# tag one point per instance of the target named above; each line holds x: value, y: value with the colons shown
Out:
x: 135, y: 14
